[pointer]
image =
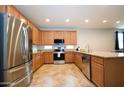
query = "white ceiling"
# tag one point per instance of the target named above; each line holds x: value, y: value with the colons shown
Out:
x: 76, y: 13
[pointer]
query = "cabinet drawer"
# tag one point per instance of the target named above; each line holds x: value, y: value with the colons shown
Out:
x: 97, y: 59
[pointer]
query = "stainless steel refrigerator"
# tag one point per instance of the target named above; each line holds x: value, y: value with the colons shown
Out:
x: 15, y: 52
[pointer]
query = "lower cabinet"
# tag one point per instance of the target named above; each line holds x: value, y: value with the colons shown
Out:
x: 78, y: 60
x: 33, y: 62
x: 37, y: 61
x: 69, y: 57
x: 97, y: 73
x: 48, y: 57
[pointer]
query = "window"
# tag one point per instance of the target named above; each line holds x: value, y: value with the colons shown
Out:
x: 120, y: 39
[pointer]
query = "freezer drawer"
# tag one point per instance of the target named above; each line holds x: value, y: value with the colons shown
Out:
x: 18, y: 72
x: 23, y: 82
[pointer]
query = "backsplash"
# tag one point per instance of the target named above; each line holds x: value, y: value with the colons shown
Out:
x: 36, y: 48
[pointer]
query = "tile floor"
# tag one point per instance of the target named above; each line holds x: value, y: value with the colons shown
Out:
x: 66, y: 75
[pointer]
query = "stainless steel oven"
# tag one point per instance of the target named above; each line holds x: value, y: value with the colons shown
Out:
x: 59, y: 57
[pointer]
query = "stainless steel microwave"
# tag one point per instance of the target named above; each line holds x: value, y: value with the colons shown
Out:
x: 58, y: 41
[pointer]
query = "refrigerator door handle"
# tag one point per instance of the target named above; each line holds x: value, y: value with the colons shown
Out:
x: 25, y: 43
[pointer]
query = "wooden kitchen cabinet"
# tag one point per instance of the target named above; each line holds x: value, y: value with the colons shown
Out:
x: 78, y: 60
x: 58, y: 34
x: 97, y: 71
x: 70, y: 37
x: 69, y: 57
x: 67, y: 37
x: 36, y: 36
x: 73, y: 37
x: 37, y: 61
x: 107, y: 72
x: 2, y: 8
x: 33, y: 62
x: 47, y: 37
x: 13, y: 11
x: 48, y: 57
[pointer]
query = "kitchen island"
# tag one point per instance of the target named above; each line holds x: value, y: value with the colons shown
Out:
x: 107, y: 68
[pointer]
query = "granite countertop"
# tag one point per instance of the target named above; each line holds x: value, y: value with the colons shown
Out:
x: 103, y: 54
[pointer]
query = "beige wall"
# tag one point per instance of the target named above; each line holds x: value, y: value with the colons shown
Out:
x: 98, y: 40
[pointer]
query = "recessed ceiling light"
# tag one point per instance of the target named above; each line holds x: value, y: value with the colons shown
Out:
x: 67, y: 20
x: 104, y: 21
x: 117, y: 22
x: 47, y: 20
x: 86, y: 20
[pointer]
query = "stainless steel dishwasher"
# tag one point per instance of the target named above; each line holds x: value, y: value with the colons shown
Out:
x: 86, y: 65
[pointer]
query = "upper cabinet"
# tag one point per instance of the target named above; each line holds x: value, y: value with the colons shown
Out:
x: 36, y: 36
x: 13, y: 11
x: 41, y: 37
x: 70, y: 37
x: 48, y: 37
x: 73, y: 37
x: 58, y: 34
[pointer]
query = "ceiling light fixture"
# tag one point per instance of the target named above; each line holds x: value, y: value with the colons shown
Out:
x: 86, y: 20
x: 104, y: 21
x: 67, y: 20
x: 117, y: 22
x: 47, y: 20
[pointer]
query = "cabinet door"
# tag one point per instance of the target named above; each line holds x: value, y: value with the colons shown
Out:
x: 34, y: 35
x: 40, y: 37
x: 33, y: 62
x: 78, y: 60
x: 48, y: 57
x: 67, y: 36
x: 73, y: 38
x: 50, y: 37
x: 37, y: 36
x: 69, y: 57
x: 97, y: 73
x: 38, y: 60
x: 41, y: 58
x: 47, y: 37
x: 58, y: 35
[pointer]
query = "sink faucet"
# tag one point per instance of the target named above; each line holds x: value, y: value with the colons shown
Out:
x: 87, y: 47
